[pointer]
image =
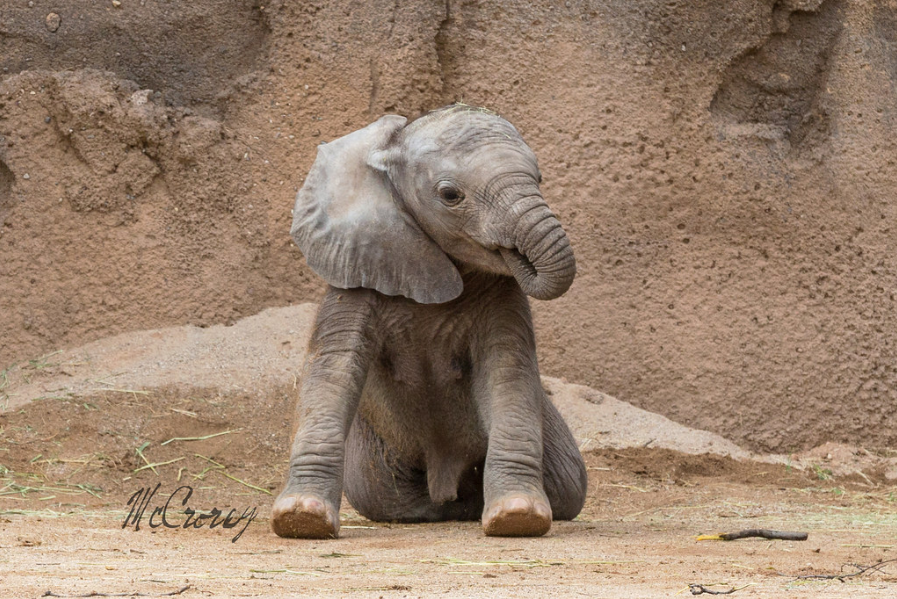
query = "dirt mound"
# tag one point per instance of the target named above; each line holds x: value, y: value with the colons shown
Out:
x: 257, y: 360
x: 261, y: 356
x: 725, y: 174
x: 255, y: 356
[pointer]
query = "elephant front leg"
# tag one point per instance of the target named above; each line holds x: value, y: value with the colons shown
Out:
x: 308, y: 506
x: 515, y: 499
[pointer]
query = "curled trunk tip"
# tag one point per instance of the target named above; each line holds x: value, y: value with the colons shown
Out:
x: 536, y: 249
x: 546, y: 283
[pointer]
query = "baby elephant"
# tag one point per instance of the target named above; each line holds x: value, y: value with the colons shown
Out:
x: 420, y: 395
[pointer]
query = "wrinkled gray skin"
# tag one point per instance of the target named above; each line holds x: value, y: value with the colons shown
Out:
x: 421, y: 388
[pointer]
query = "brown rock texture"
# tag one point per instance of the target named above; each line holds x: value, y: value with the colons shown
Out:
x: 725, y: 170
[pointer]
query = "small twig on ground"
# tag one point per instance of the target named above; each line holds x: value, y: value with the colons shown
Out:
x: 153, y: 466
x: 96, y: 594
x: 139, y: 451
x: 860, y: 571
x: 763, y: 533
x: 200, y: 438
x: 184, y: 412
x: 700, y: 589
x: 243, y: 482
x: 210, y: 460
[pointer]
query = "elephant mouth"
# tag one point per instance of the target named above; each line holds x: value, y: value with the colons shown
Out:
x: 518, y: 263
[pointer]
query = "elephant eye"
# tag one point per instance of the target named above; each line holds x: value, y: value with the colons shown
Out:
x: 449, y: 194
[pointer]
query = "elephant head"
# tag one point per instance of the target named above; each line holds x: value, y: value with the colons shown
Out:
x: 400, y: 207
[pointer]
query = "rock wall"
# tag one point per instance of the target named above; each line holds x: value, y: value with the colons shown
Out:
x: 725, y: 170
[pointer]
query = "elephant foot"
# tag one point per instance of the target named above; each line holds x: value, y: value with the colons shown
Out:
x: 517, y: 516
x: 304, y: 517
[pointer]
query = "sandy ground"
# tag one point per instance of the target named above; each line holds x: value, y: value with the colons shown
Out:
x: 636, y: 538
x: 209, y: 409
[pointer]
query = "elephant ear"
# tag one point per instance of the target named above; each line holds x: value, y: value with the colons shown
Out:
x: 355, y: 232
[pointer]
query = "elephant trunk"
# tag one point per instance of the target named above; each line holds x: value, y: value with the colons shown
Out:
x: 539, y: 254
